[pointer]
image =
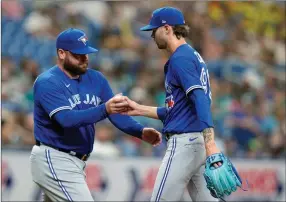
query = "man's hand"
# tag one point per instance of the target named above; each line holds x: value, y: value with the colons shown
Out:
x: 116, y: 104
x: 134, y: 109
x: 152, y: 136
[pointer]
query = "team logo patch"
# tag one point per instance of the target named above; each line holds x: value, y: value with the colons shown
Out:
x: 169, y: 102
x: 83, y: 39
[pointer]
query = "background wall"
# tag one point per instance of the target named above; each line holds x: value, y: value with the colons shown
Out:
x: 243, y: 44
x: 130, y: 179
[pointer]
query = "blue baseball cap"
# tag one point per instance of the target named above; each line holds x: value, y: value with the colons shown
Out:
x: 163, y: 16
x: 75, y: 41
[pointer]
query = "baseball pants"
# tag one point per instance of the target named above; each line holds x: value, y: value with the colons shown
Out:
x: 182, y: 167
x: 60, y: 175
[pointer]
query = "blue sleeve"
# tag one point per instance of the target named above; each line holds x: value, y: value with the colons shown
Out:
x: 203, y: 107
x: 50, y: 97
x: 161, y: 112
x: 122, y: 122
x: 186, y: 74
x: 78, y: 118
x: 53, y: 101
x: 127, y: 125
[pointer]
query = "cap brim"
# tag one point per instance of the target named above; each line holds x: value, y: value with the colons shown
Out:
x: 85, y: 50
x: 148, y: 28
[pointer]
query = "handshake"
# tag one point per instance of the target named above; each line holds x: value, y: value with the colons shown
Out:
x: 120, y: 104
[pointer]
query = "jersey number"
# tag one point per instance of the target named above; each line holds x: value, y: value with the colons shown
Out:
x: 205, y: 78
x: 199, y: 57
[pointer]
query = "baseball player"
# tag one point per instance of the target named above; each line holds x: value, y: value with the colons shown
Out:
x: 69, y: 100
x: 187, y: 119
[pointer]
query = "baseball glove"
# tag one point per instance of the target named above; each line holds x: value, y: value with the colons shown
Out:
x: 222, y: 180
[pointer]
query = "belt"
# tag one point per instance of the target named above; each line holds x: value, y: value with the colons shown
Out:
x: 82, y: 157
x: 169, y: 135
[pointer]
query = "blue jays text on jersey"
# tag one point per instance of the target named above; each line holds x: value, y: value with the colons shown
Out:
x: 54, y: 91
x: 88, y: 99
x: 185, y: 71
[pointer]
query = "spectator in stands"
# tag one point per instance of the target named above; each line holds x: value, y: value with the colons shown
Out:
x: 245, y: 53
x: 104, y: 146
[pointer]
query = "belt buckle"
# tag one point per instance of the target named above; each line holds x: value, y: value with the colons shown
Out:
x: 85, y: 157
x: 167, y: 136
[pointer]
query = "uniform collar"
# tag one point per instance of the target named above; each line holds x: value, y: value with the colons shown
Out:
x: 178, y: 48
x: 170, y: 58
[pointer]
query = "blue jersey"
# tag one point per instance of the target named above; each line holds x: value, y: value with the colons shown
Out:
x: 55, y: 91
x: 184, y: 71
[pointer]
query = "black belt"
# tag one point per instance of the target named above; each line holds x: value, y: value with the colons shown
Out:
x: 169, y: 135
x: 82, y: 157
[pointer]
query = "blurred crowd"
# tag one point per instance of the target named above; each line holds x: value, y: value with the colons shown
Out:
x: 243, y: 44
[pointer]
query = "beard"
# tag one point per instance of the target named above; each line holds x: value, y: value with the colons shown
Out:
x: 161, y: 44
x: 75, y: 69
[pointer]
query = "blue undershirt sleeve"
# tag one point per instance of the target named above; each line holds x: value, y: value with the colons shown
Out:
x: 127, y: 125
x: 203, y: 107
x: 161, y: 112
x: 78, y: 118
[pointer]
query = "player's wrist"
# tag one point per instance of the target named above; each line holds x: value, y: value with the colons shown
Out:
x: 103, y: 108
x: 211, y: 149
x: 107, y: 108
x: 142, y: 110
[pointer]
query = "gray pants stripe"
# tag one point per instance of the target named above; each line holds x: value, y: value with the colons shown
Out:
x: 166, y: 171
x: 48, y: 156
x: 182, y: 167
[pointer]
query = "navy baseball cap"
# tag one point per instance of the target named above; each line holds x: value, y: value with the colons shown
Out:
x: 75, y: 41
x: 165, y: 15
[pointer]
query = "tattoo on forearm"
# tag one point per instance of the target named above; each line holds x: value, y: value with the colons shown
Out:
x: 208, y: 135
x: 210, y: 145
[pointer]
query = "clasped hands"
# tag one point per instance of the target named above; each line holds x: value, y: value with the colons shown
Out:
x: 120, y: 104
